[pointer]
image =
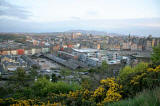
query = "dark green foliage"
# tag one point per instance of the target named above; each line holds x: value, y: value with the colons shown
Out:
x: 54, y: 78
x: 104, y: 66
x: 101, y: 69
x: 3, y: 92
x: 86, y: 83
x: 19, y: 78
x: 43, y: 87
x: 35, y: 67
x: 147, y: 80
x: 156, y: 55
x: 33, y: 72
x: 140, y: 67
x: 47, y: 77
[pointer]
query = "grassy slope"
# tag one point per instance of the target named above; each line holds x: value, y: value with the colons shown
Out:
x: 145, y: 98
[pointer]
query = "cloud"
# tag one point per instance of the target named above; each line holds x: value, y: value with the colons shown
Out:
x: 92, y: 13
x: 142, y: 27
x: 9, y: 10
x: 75, y: 18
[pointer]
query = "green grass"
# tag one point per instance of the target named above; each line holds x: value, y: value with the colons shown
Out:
x: 145, y: 98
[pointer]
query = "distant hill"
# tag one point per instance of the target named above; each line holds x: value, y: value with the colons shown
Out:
x: 10, y: 36
x: 94, y: 32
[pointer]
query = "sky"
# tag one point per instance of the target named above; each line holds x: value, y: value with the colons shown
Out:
x: 139, y: 17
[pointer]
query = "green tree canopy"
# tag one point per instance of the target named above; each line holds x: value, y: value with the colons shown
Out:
x: 140, y: 67
x: 20, y: 75
x: 156, y: 55
x: 104, y: 66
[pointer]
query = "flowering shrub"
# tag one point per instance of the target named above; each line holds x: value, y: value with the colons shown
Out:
x: 86, y: 93
x: 78, y: 97
x: 109, y: 91
x: 99, y: 94
x: 74, y: 94
x: 113, y: 93
x: 127, y: 70
x: 81, y: 96
x: 135, y: 80
x: 157, y: 69
x: 28, y: 102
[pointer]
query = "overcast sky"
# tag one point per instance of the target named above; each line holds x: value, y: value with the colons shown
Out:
x: 120, y: 16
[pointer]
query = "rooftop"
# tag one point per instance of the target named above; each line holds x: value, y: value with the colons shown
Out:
x: 87, y: 50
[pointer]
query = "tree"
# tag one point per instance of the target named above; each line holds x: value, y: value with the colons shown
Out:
x: 18, y: 78
x: 140, y: 67
x: 156, y: 55
x: 35, y: 67
x: 104, y: 66
x: 54, y: 78
x: 20, y: 75
x: 47, y: 76
x: 125, y: 71
x: 33, y: 72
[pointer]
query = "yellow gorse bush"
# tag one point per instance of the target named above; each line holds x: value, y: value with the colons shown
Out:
x: 157, y: 69
x: 99, y: 92
x: 85, y: 94
x: 135, y: 80
x: 28, y: 102
x: 109, y: 89
x: 43, y: 104
x: 74, y: 94
x: 112, y: 96
x: 113, y: 93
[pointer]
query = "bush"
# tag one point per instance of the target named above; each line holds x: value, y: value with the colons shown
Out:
x: 108, y: 91
x: 26, y: 102
x: 43, y: 87
x: 125, y: 72
x: 136, y: 82
x: 62, y: 87
x: 146, y: 98
x: 156, y: 55
x: 128, y: 70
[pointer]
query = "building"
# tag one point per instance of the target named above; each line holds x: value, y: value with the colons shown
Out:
x: 93, y: 62
x: 30, y: 62
x: 13, y: 52
x: 20, y: 51
x: 38, y: 50
x: 87, y: 52
x: 12, y: 62
x: 33, y: 51
x: 66, y: 55
x: 134, y: 47
x: 126, y: 46
x: 45, y: 49
x: 76, y: 35
x: 149, y: 45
